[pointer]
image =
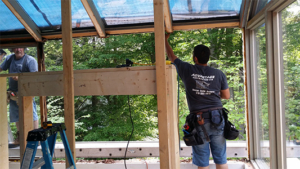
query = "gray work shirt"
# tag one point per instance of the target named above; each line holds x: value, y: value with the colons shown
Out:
x: 202, y: 84
x: 16, y: 66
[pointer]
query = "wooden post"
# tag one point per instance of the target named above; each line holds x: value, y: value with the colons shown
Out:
x: 3, y: 125
x: 165, y: 116
x: 25, y: 120
x: 173, y: 117
x: 68, y: 74
x: 41, y: 68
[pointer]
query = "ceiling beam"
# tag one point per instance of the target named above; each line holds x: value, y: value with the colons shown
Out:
x: 24, y: 18
x: 233, y: 23
x: 168, y: 18
x: 94, y: 16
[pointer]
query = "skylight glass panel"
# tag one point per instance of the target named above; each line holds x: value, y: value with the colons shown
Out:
x: 47, y: 13
x: 119, y: 12
x: 261, y: 4
x: 200, y: 9
x: 8, y: 21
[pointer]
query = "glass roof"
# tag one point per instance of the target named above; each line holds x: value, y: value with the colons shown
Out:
x: 261, y: 4
x: 118, y: 12
x: 198, y: 9
x: 46, y: 14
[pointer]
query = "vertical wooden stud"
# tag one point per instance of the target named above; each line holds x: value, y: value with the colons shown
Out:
x: 173, y: 117
x: 41, y: 68
x: 25, y: 120
x: 68, y: 75
x: 165, y: 115
x: 3, y: 128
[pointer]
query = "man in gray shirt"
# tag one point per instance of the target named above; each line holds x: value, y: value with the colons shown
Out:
x: 17, y: 63
x: 204, y: 86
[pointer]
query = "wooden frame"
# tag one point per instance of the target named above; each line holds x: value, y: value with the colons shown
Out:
x: 68, y: 77
x: 24, y: 18
x: 168, y: 139
x: 94, y: 16
x: 167, y: 15
x: 4, y: 162
x: 142, y: 78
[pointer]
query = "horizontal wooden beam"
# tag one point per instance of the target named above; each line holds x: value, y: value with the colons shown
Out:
x: 13, y: 45
x: 111, y: 81
x: 24, y: 18
x: 10, y: 75
x: 94, y: 16
x: 234, y: 24
x: 132, y: 30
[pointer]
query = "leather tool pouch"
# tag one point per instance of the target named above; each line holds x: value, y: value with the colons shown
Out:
x: 194, y: 137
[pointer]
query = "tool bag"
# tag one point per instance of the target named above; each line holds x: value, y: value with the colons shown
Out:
x: 230, y: 132
x: 192, y: 134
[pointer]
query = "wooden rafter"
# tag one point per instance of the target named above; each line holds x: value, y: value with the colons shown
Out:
x: 94, y: 16
x: 24, y: 18
x: 168, y: 18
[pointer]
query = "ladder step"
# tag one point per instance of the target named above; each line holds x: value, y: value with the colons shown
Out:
x: 38, y: 163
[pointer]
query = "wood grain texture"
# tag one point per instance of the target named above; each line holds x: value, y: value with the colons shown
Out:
x: 68, y: 77
x: 3, y: 128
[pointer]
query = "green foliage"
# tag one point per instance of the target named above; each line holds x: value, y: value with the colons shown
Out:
x: 291, y: 60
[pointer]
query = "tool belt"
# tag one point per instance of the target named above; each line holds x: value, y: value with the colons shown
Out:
x: 12, y: 96
x: 197, y: 118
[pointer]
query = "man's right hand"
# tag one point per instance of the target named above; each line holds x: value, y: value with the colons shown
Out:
x: 15, y: 78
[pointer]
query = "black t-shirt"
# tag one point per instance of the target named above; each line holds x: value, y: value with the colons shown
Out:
x: 202, y: 85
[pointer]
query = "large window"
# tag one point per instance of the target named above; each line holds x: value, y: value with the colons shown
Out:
x: 290, y: 18
x: 262, y: 96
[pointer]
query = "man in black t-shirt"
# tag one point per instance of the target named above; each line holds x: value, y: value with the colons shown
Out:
x: 205, y: 87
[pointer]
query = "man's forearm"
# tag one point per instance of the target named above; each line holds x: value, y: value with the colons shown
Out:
x: 170, y: 52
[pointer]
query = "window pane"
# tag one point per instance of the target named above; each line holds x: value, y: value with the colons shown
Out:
x: 262, y: 93
x: 291, y: 66
x: 199, y: 9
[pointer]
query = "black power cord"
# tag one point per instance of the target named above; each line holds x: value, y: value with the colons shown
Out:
x: 130, y: 134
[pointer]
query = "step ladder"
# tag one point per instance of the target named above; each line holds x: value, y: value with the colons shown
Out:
x: 47, y: 138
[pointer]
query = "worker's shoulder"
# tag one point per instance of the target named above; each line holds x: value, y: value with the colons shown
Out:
x: 212, y: 69
x: 30, y: 58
